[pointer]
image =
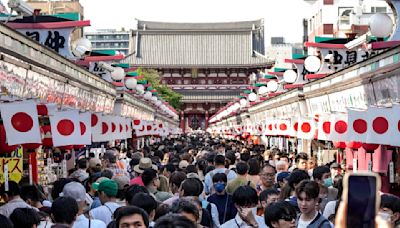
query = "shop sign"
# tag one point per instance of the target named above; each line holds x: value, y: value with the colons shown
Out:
x: 318, y: 105
x: 350, y: 98
x: 55, y: 39
x: 340, y: 58
x: 14, y: 166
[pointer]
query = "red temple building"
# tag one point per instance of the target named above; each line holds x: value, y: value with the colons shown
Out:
x: 208, y: 63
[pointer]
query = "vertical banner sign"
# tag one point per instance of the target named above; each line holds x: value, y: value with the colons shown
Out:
x: 14, y: 167
x: 6, y: 177
x: 355, y: 165
x: 64, y: 168
x: 391, y: 172
x: 370, y: 165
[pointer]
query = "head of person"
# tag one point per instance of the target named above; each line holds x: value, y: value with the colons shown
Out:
x: 169, y: 169
x: 94, y: 165
x: 109, y: 159
x: 107, y: 190
x: 245, y: 198
x: 312, y: 162
x: 191, y: 187
x: 296, y: 177
x: 186, y: 208
x: 150, y: 178
x: 267, y: 176
x: 131, y: 216
x: 6, y: 222
x: 281, y: 166
x: 82, y: 163
x: 284, y: 158
x: 12, y: 192
x: 64, y: 210
x: 58, y: 187
x: 268, y: 196
x: 25, y: 217
x: 144, y: 163
x: 161, y: 210
x: 146, y: 202
x: 245, y: 156
x: 131, y: 192
x: 242, y: 168
x: 123, y: 183
x: 301, y: 161
x: 219, y: 181
x: 280, y: 215
x: 76, y: 191
x: 254, y: 167
x: 307, y: 193
x: 219, y: 161
x: 175, y: 181
x: 335, y: 169
x: 281, y: 178
x: 31, y: 195
x: 175, y: 221
x: 322, y: 175
x: 389, y: 209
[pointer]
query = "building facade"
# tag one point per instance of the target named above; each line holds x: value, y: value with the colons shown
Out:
x: 342, y: 18
x: 110, y: 39
x: 208, y: 63
x: 60, y: 7
x: 279, y: 51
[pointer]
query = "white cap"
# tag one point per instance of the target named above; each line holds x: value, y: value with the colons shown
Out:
x: 74, y: 190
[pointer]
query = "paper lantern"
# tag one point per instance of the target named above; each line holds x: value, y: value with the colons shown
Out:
x: 340, y: 145
x: 380, y: 25
x: 147, y: 95
x: 47, y: 140
x: 131, y: 83
x: 243, y: 102
x: 81, y: 47
x: 262, y: 90
x: 252, y: 97
x: 118, y: 74
x: 272, y: 86
x: 312, y: 63
x: 353, y: 145
x: 290, y: 76
x: 370, y: 146
x: 4, y: 147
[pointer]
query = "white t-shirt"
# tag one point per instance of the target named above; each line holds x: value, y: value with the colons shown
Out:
x: 82, y: 222
x: 304, y: 224
x: 104, y: 212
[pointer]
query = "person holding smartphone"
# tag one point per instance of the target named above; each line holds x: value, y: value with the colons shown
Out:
x: 307, y: 193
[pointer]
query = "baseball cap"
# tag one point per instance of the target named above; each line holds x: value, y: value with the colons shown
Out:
x: 122, y: 181
x: 109, y: 187
x: 95, y: 185
x: 74, y: 190
x: 93, y: 162
x: 282, y: 175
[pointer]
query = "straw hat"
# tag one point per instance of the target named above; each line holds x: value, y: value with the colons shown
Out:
x: 144, y: 163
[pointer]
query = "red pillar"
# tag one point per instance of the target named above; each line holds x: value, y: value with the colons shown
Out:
x: 206, y: 119
x: 182, y: 123
x: 33, y: 163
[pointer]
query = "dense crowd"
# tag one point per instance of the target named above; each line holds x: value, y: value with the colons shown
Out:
x: 192, y: 181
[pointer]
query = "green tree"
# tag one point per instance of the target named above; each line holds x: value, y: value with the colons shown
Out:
x: 153, y: 77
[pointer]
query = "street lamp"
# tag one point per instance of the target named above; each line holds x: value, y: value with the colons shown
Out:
x: 290, y: 76
x: 272, y: 86
x: 252, y: 97
x: 312, y: 63
x: 380, y: 25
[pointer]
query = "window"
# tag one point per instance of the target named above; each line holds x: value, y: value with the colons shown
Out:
x: 378, y: 9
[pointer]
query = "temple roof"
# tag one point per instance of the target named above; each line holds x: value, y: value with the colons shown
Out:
x: 196, y: 45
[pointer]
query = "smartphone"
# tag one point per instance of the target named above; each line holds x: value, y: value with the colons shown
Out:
x: 362, y: 198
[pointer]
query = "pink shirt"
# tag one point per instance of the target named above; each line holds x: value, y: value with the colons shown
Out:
x: 137, y: 180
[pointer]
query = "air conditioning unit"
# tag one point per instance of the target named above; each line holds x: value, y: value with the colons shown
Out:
x: 20, y: 7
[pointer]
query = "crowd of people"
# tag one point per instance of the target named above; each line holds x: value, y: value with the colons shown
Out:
x: 191, y: 181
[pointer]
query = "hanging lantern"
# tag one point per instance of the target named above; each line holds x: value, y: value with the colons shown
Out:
x: 272, y: 86
x: 353, y: 145
x: 118, y: 74
x: 252, y: 97
x: 4, y: 147
x: 131, y: 83
x: 340, y: 145
x: 370, y: 146
x: 312, y: 63
x: 290, y: 76
x: 262, y: 90
x: 380, y: 25
x: 47, y: 139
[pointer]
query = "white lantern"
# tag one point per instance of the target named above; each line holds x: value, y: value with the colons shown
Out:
x: 252, y: 97
x: 118, y: 74
x: 147, y: 95
x: 243, y: 102
x: 312, y: 63
x: 158, y: 103
x: 262, y: 90
x: 237, y: 106
x: 290, y: 76
x: 380, y: 25
x: 81, y: 47
x: 154, y: 98
x: 131, y: 83
x: 272, y: 86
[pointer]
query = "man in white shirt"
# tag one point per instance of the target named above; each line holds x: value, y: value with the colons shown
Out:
x: 76, y: 191
x: 13, y: 199
x: 108, y: 190
x: 245, y: 199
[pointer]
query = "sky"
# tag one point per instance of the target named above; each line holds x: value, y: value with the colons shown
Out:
x: 281, y: 17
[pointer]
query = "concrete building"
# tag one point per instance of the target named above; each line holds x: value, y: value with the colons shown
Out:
x: 279, y: 51
x: 342, y: 18
x: 60, y: 7
x: 110, y: 39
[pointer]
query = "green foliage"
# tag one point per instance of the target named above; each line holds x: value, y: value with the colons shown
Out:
x: 153, y: 77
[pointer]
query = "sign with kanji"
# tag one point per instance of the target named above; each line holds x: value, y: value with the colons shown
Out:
x: 14, y: 166
x: 56, y: 39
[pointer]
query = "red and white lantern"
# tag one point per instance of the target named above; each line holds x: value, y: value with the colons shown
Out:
x: 339, y: 127
x: 307, y: 128
x: 65, y: 128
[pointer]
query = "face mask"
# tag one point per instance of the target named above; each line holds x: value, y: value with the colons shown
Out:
x: 328, y: 182
x: 272, y: 162
x: 219, y: 187
x: 385, y: 216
